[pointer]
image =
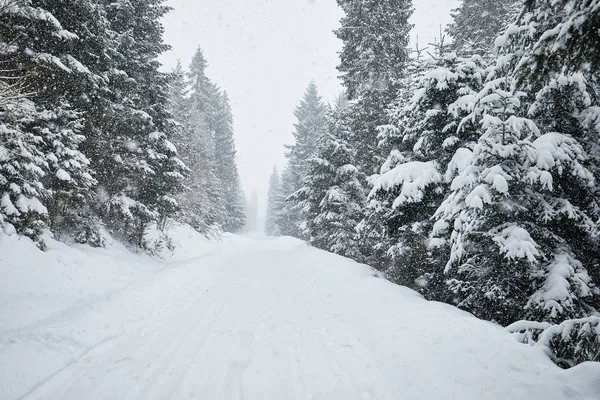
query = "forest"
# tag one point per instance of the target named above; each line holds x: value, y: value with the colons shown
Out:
x: 465, y: 169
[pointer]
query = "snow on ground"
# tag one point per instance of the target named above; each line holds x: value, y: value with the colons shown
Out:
x: 247, y: 318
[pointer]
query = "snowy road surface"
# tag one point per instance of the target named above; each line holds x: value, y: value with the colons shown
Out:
x: 259, y: 319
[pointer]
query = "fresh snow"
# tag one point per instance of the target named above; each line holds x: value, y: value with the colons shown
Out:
x: 247, y: 318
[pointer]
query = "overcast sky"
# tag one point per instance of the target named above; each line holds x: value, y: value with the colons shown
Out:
x: 264, y: 53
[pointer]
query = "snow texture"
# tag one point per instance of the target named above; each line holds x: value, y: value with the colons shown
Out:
x: 247, y: 318
x: 413, y: 177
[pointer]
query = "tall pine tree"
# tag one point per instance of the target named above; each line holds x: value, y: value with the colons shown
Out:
x: 331, y: 199
x: 375, y: 36
x: 310, y: 126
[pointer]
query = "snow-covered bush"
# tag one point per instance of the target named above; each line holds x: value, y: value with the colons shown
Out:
x: 569, y: 343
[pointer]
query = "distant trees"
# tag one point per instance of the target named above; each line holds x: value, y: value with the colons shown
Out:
x: 213, y: 198
x: 274, y: 204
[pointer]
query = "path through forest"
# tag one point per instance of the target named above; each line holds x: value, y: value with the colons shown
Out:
x: 271, y: 319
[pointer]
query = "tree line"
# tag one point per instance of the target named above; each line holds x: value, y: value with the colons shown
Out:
x: 94, y: 137
x: 468, y: 169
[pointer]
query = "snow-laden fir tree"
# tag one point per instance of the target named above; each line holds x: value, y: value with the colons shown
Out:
x: 477, y: 23
x: 226, y: 168
x: 424, y: 133
x: 274, y: 204
x: 45, y: 177
x: 202, y: 200
x: 563, y: 36
x: 287, y: 217
x: 332, y: 197
x: 310, y: 126
x: 522, y: 205
x: 375, y: 37
x: 140, y: 173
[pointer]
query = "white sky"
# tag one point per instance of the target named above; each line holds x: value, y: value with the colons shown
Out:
x: 264, y: 53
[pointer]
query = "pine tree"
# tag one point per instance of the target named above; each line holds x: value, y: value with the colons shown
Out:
x: 424, y: 132
x: 312, y: 122
x: 142, y: 172
x: 477, y: 23
x: 563, y: 37
x: 288, y: 218
x: 375, y: 36
x: 273, y: 204
x: 513, y: 211
x: 22, y: 167
x: 41, y: 127
x: 225, y: 167
x: 202, y: 201
x: 331, y: 199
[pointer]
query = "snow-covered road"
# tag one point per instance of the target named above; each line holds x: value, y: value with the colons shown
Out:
x: 269, y: 319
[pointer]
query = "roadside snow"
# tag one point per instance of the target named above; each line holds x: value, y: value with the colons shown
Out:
x: 247, y: 318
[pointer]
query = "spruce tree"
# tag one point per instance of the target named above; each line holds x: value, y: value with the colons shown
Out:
x: 375, y: 36
x: 141, y: 173
x: 331, y: 198
x: 477, y: 23
x: 202, y: 200
x: 310, y: 125
x: 226, y: 168
x: 273, y: 204
x: 563, y: 35
x: 288, y: 218
x: 520, y: 198
x: 41, y: 127
x: 425, y: 130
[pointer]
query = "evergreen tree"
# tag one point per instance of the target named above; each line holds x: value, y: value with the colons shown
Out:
x: 563, y: 36
x: 141, y: 173
x: 511, y: 215
x: 312, y: 122
x: 203, y: 200
x: 41, y: 130
x: 375, y: 36
x: 331, y: 199
x: 477, y: 23
x: 288, y: 218
x: 273, y: 204
x: 226, y: 169
x: 424, y: 133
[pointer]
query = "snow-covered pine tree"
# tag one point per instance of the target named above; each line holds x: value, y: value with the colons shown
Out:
x: 331, y: 199
x: 375, y: 36
x: 477, y: 23
x: 44, y: 129
x: 563, y: 35
x: 424, y: 133
x: 179, y: 108
x: 274, y: 203
x: 287, y: 217
x: 311, y: 123
x: 202, y: 202
x: 22, y: 168
x: 518, y: 198
x: 226, y: 168
x: 141, y: 173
